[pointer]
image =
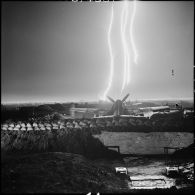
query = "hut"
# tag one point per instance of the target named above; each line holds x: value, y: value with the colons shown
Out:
x: 11, y: 125
x: 36, y: 128
x: 23, y: 128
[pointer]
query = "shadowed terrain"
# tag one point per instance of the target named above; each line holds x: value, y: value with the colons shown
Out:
x: 57, y: 172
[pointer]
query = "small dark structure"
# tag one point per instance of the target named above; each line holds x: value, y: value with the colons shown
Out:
x: 166, y: 149
x: 117, y: 147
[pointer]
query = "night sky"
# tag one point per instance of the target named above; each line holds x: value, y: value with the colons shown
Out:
x: 58, y: 51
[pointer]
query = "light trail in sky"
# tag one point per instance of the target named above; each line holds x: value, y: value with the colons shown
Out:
x: 131, y: 33
x: 111, y: 57
x: 125, y: 45
x: 125, y: 49
x: 124, y: 18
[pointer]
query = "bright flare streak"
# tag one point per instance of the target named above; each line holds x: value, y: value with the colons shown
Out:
x: 131, y: 33
x: 111, y: 58
x: 124, y: 48
x: 126, y: 74
x: 127, y: 53
x: 128, y: 69
x: 124, y: 16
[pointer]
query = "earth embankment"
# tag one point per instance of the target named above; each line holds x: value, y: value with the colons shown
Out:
x: 145, y: 143
x: 57, y: 172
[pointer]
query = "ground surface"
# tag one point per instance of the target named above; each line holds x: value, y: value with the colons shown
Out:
x: 57, y: 172
x: 156, y: 167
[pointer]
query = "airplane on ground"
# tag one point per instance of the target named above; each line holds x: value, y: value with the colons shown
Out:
x: 118, y: 109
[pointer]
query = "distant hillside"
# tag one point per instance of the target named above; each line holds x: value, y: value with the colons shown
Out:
x: 44, y: 109
x: 17, y: 112
x: 57, y: 107
x: 136, y: 105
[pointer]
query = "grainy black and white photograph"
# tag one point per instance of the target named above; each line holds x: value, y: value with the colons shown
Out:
x: 97, y: 96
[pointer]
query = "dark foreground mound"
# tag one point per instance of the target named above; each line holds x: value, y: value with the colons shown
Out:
x: 187, y: 152
x: 77, y: 141
x: 57, y: 172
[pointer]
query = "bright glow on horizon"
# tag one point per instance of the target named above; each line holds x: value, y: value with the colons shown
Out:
x: 94, y: 100
x: 111, y: 58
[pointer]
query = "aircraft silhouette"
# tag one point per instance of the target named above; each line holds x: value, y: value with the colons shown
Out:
x: 118, y: 109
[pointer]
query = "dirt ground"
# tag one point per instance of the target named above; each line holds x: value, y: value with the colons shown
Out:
x: 58, y: 172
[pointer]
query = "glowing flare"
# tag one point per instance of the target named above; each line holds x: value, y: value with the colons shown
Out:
x: 126, y: 51
x: 131, y: 33
x: 124, y: 17
x: 128, y: 70
x: 125, y: 14
x: 111, y: 58
x: 123, y: 42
